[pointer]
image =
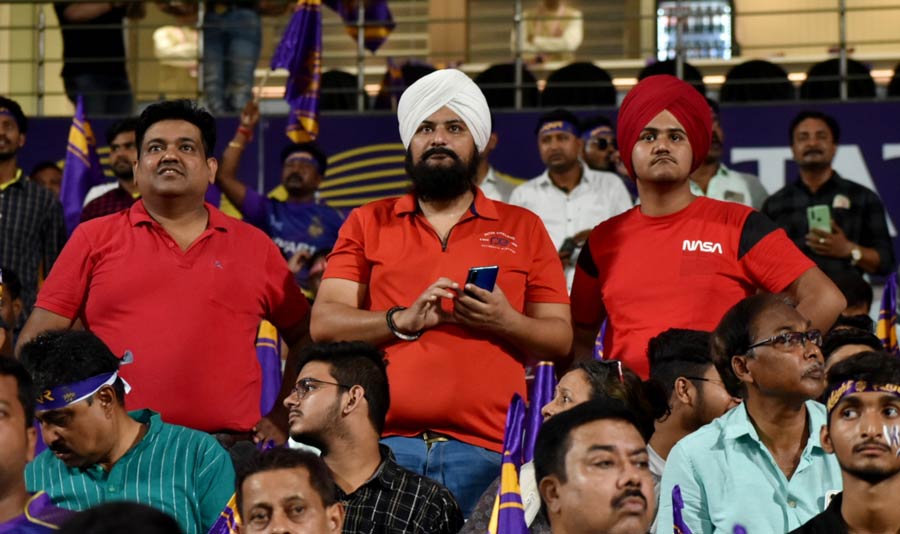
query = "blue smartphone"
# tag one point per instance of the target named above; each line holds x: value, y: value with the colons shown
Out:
x: 483, y: 277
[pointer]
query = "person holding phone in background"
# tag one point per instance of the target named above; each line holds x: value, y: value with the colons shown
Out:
x: 838, y: 223
x: 455, y: 352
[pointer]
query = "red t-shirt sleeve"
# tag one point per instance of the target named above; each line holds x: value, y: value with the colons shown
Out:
x: 587, y: 294
x: 546, y: 280
x: 285, y: 302
x: 768, y: 257
x: 65, y: 288
x: 348, y: 258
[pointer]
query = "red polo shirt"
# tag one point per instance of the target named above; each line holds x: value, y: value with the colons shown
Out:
x: 453, y: 380
x: 189, y: 317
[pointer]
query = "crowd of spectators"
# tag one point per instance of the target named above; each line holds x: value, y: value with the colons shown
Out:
x: 716, y: 359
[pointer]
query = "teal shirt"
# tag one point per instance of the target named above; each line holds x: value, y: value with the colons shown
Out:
x: 183, y: 472
x: 727, y: 477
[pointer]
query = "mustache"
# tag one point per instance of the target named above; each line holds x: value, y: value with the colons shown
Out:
x: 627, y: 494
x: 166, y: 166
x: 812, y: 151
x: 439, y: 150
x: 814, y: 369
x: 871, y: 443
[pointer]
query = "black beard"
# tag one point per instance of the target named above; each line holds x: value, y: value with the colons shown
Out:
x: 872, y: 475
x: 439, y: 183
x: 6, y: 156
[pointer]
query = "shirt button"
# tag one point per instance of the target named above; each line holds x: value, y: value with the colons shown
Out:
x: 112, y: 489
x: 792, y: 503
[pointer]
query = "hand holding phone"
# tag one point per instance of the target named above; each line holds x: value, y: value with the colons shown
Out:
x: 819, y: 218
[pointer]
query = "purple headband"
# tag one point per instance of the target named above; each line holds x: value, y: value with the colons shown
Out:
x: 69, y: 394
x: 587, y: 136
x: 558, y: 126
x: 858, y: 386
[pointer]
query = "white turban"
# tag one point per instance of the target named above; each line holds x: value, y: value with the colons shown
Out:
x: 447, y: 87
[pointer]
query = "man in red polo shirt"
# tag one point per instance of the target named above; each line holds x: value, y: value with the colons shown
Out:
x: 679, y: 261
x: 395, y: 279
x: 180, y: 286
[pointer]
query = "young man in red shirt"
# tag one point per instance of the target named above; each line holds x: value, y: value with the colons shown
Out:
x: 676, y: 260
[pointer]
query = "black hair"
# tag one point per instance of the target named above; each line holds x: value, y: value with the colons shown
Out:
x: 60, y: 357
x: 810, y: 114
x: 678, y: 353
x: 872, y: 367
x: 558, y: 115
x: 12, y: 282
x: 26, y: 391
x: 182, y: 109
x: 646, y: 399
x: 848, y: 336
x: 311, y: 148
x: 854, y: 287
x: 859, y: 322
x: 45, y: 164
x: 125, y: 125
x: 283, y: 458
x: 355, y: 363
x: 734, y: 335
x: 595, y: 121
x: 713, y: 105
x: 555, y: 436
x: 121, y: 518
x: 16, y: 111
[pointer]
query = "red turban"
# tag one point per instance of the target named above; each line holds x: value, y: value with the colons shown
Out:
x: 651, y: 96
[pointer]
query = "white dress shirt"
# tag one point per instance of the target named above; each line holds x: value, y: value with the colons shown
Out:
x: 597, y: 197
x: 497, y: 187
x: 733, y: 186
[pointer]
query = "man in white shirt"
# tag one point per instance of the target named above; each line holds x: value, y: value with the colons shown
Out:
x: 714, y: 180
x: 569, y: 197
x: 553, y: 32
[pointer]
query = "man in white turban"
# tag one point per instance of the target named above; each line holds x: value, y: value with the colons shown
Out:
x: 398, y: 279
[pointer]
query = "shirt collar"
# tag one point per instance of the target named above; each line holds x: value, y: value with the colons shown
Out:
x: 138, y: 215
x: 15, y: 180
x: 738, y: 424
x: 834, y: 181
x: 587, y: 176
x: 481, y: 206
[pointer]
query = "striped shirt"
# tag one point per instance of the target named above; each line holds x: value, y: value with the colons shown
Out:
x: 396, y: 500
x: 183, y: 472
x: 32, y: 231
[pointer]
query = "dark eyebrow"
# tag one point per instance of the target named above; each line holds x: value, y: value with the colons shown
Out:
x: 670, y: 130
x: 179, y: 140
x: 612, y: 448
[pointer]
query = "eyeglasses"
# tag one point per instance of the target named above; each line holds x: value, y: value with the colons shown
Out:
x: 790, y: 340
x: 602, y: 143
x: 306, y: 385
x: 617, y: 366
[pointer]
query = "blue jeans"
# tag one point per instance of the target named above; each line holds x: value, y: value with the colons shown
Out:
x: 102, y: 94
x: 231, y: 45
x: 466, y: 470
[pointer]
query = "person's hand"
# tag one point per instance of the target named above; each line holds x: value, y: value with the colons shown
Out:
x: 271, y: 428
x: 250, y: 115
x: 482, y: 309
x: 426, y: 312
x: 296, y: 262
x: 833, y: 245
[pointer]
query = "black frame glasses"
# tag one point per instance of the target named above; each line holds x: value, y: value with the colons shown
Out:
x: 790, y: 340
x: 302, y: 388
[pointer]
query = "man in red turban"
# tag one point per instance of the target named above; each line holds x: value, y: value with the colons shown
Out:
x: 677, y: 260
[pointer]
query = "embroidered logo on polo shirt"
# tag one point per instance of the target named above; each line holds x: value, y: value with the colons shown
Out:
x: 500, y: 241
x: 218, y: 265
x: 693, y: 245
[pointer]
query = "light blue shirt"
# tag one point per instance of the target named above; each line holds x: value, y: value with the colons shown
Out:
x: 728, y: 476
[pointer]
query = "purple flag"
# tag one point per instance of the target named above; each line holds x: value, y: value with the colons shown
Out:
x: 268, y: 352
x: 508, y: 516
x: 82, y: 169
x: 598, y: 343
x: 378, y: 20
x: 300, y: 52
x: 887, y: 316
x: 541, y: 393
x: 678, y: 524
x: 228, y: 519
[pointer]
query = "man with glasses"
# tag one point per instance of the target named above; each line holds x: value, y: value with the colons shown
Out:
x: 762, y: 465
x: 714, y: 180
x: 338, y: 405
x: 680, y: 362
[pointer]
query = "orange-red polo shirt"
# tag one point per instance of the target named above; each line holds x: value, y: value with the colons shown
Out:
x: 189, y: 317
x: 454, y: 380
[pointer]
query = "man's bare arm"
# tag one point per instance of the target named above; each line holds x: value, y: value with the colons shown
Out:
x: 817, y: 298
x: 227, y: 177
x: 81, y: 12
x: 38, y: 322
